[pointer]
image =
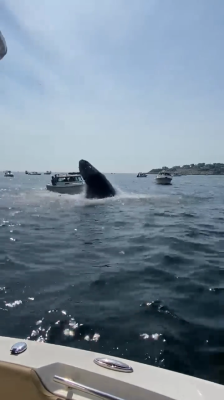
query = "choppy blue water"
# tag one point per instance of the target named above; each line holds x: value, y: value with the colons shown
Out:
x: 139, y: 276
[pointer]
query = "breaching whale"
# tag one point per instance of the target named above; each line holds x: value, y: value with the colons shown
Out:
x: 97, y: 185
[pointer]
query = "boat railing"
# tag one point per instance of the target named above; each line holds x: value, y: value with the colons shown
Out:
x: 70, y: 384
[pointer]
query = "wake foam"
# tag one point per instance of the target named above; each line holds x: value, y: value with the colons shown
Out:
x: 39, y: 197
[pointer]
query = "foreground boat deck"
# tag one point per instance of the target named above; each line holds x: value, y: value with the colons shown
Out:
x: 38, y: 373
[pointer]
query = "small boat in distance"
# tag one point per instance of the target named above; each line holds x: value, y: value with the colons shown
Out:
x: 177, y: 174
x: 71, y: 183
x: 47, y: 173
x: 164, y: 178
x: 32, y: 173
x: 8, y: 174
x: 141, y: 175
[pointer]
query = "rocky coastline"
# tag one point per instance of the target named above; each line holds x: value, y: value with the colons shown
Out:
x: 193, y: 169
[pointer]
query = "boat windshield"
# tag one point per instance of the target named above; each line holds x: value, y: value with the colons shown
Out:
x: 164, y: 173
x: 69, y: 179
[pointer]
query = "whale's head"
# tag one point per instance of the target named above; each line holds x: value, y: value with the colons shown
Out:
x: 97, y: 184
x: 87, y: 170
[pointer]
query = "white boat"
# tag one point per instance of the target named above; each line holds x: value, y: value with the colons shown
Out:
x: 141, y: 175
x: 164, y: 178
x: 47, y: 173
x: 32, y: 173
x: 9, y: 174
x: 37, y: 371
x: 71, y: 183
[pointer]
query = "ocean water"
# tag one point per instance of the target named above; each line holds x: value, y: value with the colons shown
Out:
x: 139, y: 276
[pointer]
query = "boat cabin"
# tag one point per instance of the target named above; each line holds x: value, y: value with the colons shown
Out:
x: 164, y: 173
x: 72, y: 178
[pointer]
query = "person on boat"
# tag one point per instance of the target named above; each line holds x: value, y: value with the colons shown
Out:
x: 53, y: 180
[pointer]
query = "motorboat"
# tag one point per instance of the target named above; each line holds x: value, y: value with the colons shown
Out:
x: 31, y: 370
x: 141, y: 175
x: 164, y: 178
x: 8, y: 174
x: 71, y: 183
x: 47, y: 173
x: 32, y: 173
x: 176, y: 174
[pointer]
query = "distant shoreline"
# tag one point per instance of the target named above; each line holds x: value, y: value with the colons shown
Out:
x: 193, y: 169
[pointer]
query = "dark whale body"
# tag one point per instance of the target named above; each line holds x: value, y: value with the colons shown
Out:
x: 97, y: 185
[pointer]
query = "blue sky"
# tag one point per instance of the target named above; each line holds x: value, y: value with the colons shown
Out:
x: 127, y: 84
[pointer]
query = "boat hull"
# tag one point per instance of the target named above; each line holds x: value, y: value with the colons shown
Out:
x: 164, y: 181
x: 72, y: 189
